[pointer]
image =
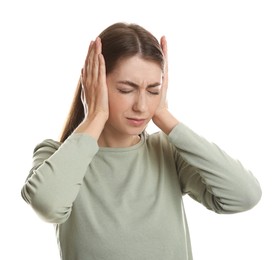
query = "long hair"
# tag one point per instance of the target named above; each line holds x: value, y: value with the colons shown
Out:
x: 119, y: 41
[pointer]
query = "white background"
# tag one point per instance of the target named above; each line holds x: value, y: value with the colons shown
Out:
x: 224, y: 72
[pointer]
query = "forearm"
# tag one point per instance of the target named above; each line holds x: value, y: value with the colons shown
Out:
x: 55, y: 182
x: 165, y: 120
x: 220, y: 182
x: 93, y: 125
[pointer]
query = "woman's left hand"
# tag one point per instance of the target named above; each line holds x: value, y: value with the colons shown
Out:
x: 162, y: 117
x: 163, y: 105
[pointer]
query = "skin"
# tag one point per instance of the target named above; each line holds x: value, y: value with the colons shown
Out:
x: 119, y: 106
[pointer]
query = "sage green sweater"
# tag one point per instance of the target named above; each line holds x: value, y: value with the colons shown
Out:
x: 126, y: 203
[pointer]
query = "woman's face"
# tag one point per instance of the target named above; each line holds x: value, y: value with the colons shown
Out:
x: 134, y: 89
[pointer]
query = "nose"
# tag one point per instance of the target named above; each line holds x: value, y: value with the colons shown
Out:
x: 140, y: 103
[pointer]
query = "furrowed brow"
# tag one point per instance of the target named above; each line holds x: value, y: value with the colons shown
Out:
x: 134, y: 85
x: 129, y: 83
x: 154, y: 85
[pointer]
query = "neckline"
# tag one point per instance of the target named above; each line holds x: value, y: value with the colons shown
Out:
x: 125, y: 149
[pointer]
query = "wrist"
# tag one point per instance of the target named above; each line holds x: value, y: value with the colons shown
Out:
x: 165, y: 120
x: 93, y: 125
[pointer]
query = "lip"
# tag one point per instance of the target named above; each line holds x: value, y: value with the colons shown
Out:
x: 136, y: 121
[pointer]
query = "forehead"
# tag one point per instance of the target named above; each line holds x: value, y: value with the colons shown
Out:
x: 137, y: 68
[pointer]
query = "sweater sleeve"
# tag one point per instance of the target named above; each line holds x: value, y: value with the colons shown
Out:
x: 211, y: 176
x: 57, y: 174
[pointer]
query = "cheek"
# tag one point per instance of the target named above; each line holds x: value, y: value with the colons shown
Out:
x: 154, y: 104
x: 118, y: 102
x: 112, y: 102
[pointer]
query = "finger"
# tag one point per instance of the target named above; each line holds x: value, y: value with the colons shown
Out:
x: 98, y: 48
x: 165, y: 52
x: 95, y: 63
x: 84, y: 70
x: 102, y: 70
x: 91, y: 61
x: 86, y: 64
x: 164, y: 46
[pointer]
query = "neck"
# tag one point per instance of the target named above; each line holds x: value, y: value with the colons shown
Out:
x: 117, y: 141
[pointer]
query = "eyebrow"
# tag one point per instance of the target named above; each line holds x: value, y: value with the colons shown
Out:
x: 134, y: 85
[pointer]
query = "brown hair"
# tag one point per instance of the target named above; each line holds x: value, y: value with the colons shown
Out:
x: 120, y: 40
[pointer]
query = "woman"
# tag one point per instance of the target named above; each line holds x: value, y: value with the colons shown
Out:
x: 112, y: 190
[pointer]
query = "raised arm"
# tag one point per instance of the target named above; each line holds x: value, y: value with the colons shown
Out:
x: 212, y: 177
x: 58, y: 169
x: 206, y: 173
x: 56, y: 176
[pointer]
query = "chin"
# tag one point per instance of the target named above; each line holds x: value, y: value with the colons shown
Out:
x: 137, y: 131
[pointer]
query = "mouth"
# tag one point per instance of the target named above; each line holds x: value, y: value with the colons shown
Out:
x: 136, y: 121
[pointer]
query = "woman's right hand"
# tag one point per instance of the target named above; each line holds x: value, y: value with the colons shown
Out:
x: 94, y: 94
x: 93, y: 78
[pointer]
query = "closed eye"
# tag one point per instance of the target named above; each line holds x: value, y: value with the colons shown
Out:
x: 153, y: 89
x: 154, y: 92
x: 125, y: 91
